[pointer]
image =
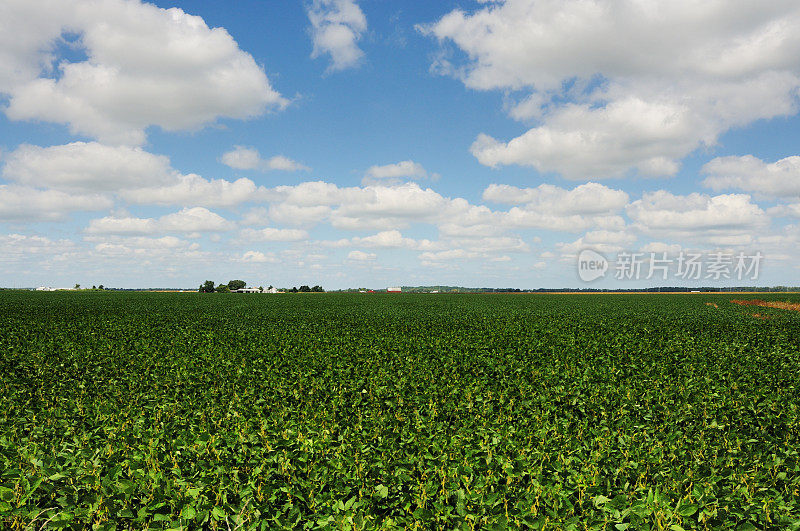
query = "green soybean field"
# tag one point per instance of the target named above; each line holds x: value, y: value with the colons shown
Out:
x: 412, y: 411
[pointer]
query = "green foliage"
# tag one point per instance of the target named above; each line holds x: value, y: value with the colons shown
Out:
x: 236, y: 284
x: 168, y: 411
x: 222, y: 288
x: 207, y: 287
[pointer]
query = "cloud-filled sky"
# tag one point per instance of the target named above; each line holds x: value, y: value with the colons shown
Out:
x: 361, y: 143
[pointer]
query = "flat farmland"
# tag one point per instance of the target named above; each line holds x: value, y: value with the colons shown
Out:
x: 349, y: 411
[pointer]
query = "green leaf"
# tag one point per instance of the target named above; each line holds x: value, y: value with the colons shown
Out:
x: 350, y: 503
x: 688, y: 510
x: 382, y: 491
x: 600, y: 500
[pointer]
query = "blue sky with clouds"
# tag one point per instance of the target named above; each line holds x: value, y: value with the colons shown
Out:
x: 369, y: 143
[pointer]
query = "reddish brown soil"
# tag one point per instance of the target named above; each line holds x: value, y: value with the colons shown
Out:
x: 769, y: 304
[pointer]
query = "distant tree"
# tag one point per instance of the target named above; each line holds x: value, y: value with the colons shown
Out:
x: 294, y: 289
x: 236, y: 284
x: 77, y: 286
x: 304, y: 289
x: 94, y: 287
x: 317, y: 289
x: 261, y: 288
x: 222, y: 288
x: 270, y: 286
x: 207, y: 287
x: 100, y: 287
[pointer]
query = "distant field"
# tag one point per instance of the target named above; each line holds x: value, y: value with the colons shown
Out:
x: 160, y: 410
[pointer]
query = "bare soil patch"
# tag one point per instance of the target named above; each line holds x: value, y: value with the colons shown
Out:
x: 769, y: 304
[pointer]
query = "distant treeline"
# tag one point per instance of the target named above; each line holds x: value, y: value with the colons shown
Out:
x: 209, y: 287
x: 233, y: 285
x: 671, y: 289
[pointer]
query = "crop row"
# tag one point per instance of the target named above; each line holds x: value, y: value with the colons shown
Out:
x: 453, y: 412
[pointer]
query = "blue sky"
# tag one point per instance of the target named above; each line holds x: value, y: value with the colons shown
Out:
x: 355, y: 143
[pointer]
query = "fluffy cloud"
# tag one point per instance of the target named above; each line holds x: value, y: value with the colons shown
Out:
x: 661, y: 247
x: 314, y: 194
x: 778, y: 179
x: 244, y: 158
x: 730, y: 219
x: 393, y: 173
x: 259, y: 258
x: 614, y: 87
x: 336, y: 27
x: 474, y: 249
x: 144, y: 66
x: 361, y: 256
x: 270, y: 234
x: 389, y: 239
x: 16, y: 247
x: 549, y: 207
x: 194, y: 190
x: 791, y: 210
x: 360, y: 208
x: 579, y: 141
x: 86, y: 166
x: 145, y: 247
x: 133, y: 174
x: 197, y: 219
x: 119, y: 225
x: 298, y: 216
x: 21, y: 203
x: 390, y: 208
x: 386, y: 239
x: 589, y: 198
x: 603, y: 241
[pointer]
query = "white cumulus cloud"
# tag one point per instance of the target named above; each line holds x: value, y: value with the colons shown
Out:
x: 393, y: 173
x: 361, y: 256
x: 22, y: 203
x: 194, y: 190
x: 259, y: 257
x: 779, y: 179
x: 144, y: 66
x: 728, y: 219
x: 336, y: 28
x: 245, y: 158
x: 614, y: 87
x: 86, y: 166
x: 197, y: 219
x: 271, y: 234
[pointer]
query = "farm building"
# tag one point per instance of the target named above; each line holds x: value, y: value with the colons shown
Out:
x: 393, y: 290
x: 247, y: 290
